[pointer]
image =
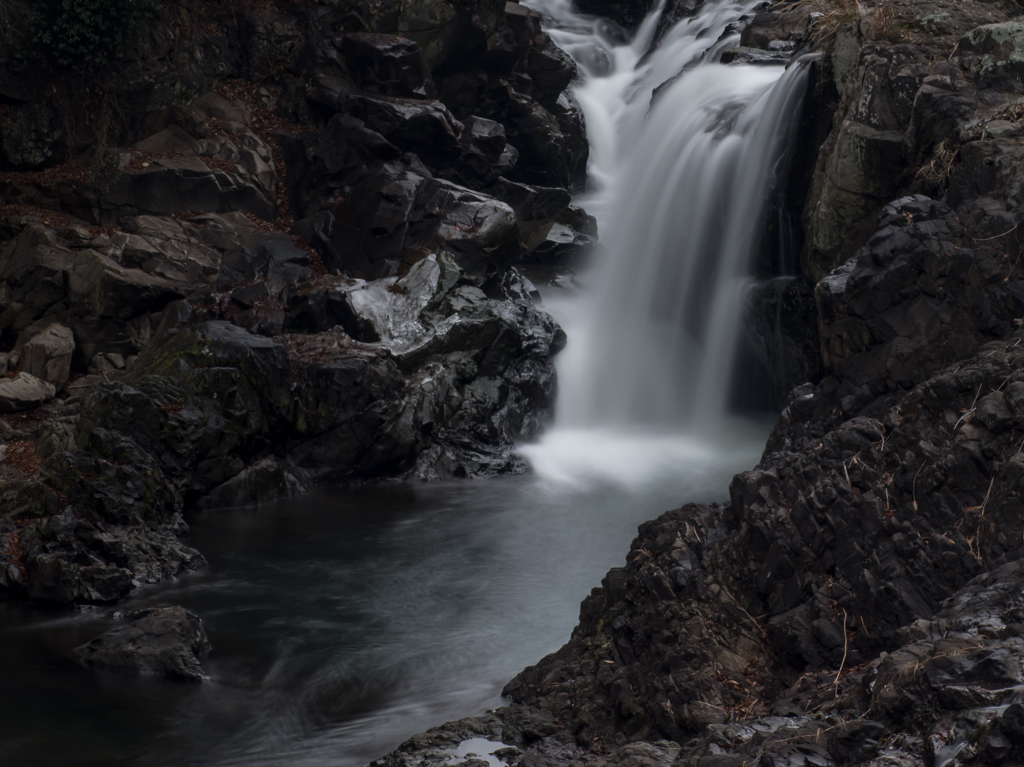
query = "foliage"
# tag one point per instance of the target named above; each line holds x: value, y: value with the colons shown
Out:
x: 12, y: 22
x: 86, y: 34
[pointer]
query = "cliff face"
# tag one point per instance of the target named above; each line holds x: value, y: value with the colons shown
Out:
x: 856, y: 601
x: 271, y: 245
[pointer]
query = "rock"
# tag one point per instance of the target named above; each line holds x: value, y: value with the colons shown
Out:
x: 884, y: 312
x: 167, y: 641
x: 422, y: 126
x: 249, y: 295
x: 562, y: 247
x: 756, y: 56
x: 536, y: 208
x: 486, y: 153
x: 265, y: 480
x: 214, y: 105
x: 783, y: 334
x: 627, y: 13
x: 994, y: 54
x: 24, y: 392
x: 47, y: 356
x: 389, y: 65
x: 371, y: 233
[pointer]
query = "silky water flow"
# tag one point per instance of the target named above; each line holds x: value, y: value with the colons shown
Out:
x: 346, y: 621
x: 684, y: 154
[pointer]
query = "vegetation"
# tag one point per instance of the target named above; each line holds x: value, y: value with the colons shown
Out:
x: 85, y: 34
x: 827, y: 16
x: 13, y: 15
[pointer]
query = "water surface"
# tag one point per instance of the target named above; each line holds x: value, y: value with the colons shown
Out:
x: 346, y: 621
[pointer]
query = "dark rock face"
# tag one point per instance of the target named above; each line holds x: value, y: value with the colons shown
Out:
x: 166, y: 641
x: 379, y: 329
x: 910, y: 116
x: 915, y: 299
x: 857, y: 601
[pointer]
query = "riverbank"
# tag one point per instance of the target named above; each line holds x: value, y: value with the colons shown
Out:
x: 856, y: 601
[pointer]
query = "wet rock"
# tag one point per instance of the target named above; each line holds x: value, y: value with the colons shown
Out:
x: 167, y: 642
x: 424, y: 127
x: 627, y: 13
x: 389, y: 65
x: 389, y: 219
x: 24, y: 392
x: 562, y: 247
x: 47, y: 356
x: 756, y: 56
x: 536, y: 208
x: 782, y: 330
x: 913, y: 300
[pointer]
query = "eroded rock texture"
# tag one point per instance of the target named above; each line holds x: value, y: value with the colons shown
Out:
x: 249, y: 290
x: 856, y: 601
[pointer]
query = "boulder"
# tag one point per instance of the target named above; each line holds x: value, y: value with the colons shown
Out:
x: 994, y: 55
x: 389, y: 65
x: 561, y: 247
x: 214, y: 105
x: 912, y: 301
x: 537, y: 208
x: 422, y: 126
x: 48, y: 355
x: 398, y: 217
x: 166, y: 641
x: 24, y: 392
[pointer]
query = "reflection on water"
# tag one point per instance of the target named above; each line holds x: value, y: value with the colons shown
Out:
x: 343, y: 622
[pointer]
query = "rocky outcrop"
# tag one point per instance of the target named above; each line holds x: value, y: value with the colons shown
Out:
x: 258, y: 289
x: 856, y: 601
x: 919, y: 97
x: 165, y: 641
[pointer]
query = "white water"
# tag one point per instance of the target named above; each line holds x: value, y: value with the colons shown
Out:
x: 679, y: 190
x: 346, y: 622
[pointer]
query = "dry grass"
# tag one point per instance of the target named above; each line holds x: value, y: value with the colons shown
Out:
x: 882, y: 18
x: 940, y: 167
x: 941, y: 164
x: 828, y: 16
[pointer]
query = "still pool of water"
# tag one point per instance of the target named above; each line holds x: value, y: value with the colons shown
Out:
x: 345, y: 621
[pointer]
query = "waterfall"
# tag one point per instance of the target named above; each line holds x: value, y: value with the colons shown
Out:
x: 684, y: 154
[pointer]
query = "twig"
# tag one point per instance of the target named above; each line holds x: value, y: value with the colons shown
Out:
x: 915, y: 483
x: 984, y: 503
x: 970, y: 411
x: 989, y: 239
x: 755, y: 621
x: 846, y: 647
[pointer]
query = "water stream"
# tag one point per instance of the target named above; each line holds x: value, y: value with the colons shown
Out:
x: 346, y: 621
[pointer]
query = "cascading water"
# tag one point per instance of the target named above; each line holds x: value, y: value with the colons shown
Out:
x: 344, y: 623
x: 684, y: 153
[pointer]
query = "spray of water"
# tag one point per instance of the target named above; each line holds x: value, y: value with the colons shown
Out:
x: 684, y: 153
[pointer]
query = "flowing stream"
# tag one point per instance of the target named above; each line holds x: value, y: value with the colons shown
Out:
x: 349, y: 620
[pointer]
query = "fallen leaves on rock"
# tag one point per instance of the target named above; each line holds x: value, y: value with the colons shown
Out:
x: 22, y: 456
